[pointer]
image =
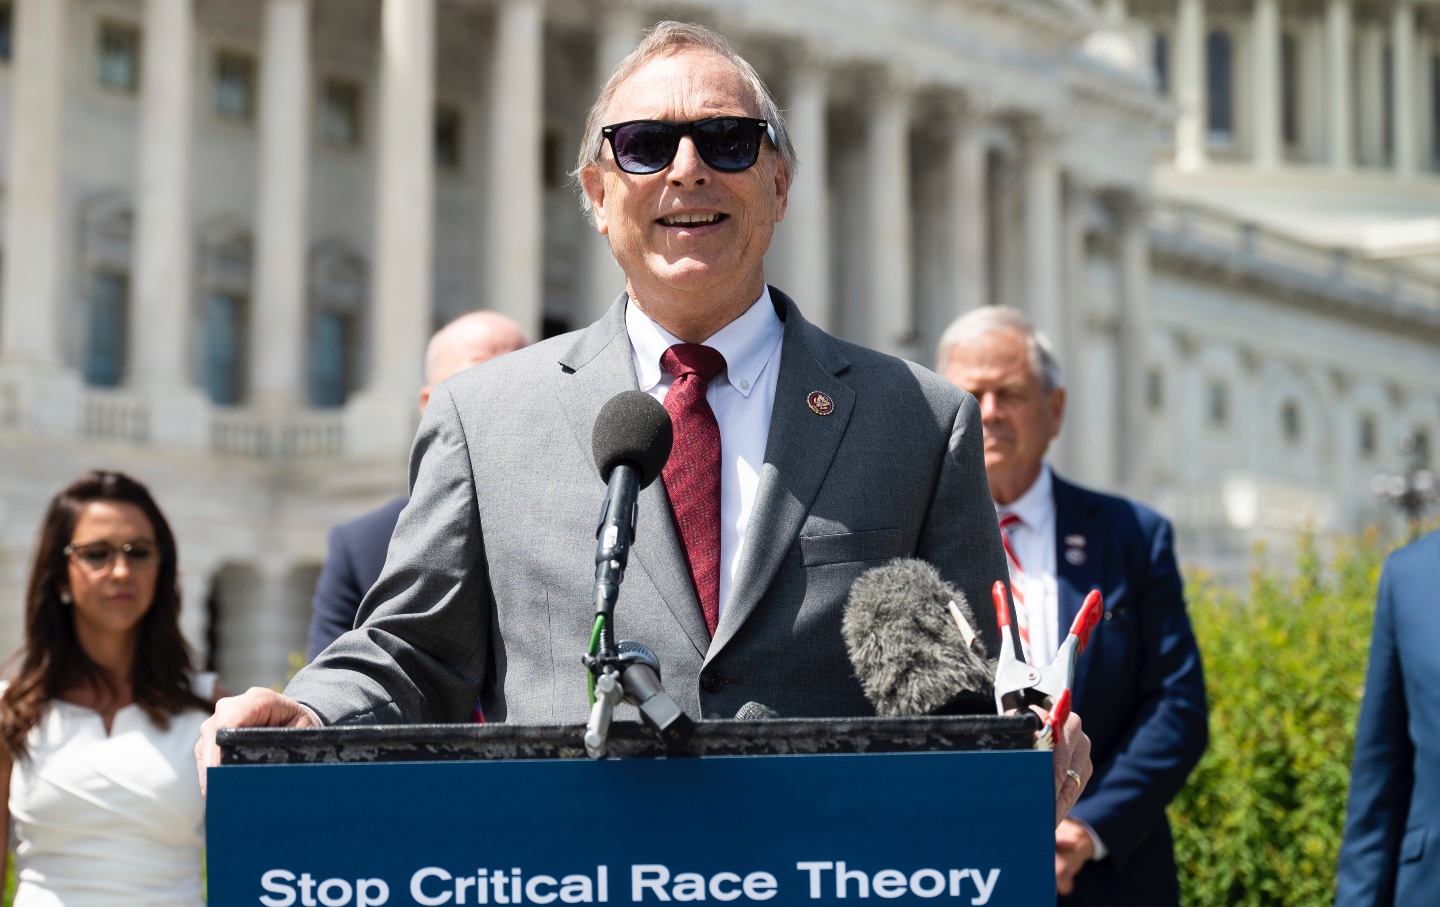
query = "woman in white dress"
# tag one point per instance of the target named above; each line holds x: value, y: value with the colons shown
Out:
x: 100, y: 720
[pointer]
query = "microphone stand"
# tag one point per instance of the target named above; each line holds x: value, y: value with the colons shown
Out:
x: 629, y: 672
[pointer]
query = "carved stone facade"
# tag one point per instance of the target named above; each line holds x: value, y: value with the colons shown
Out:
x: 232, y: 224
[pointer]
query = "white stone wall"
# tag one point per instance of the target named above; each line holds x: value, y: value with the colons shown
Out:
x: 955, y: 154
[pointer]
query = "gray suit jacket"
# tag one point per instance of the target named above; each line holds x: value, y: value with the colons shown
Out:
x: 486, y: 591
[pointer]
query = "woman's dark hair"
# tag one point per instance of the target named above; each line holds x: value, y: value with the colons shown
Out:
x: 53, y: 661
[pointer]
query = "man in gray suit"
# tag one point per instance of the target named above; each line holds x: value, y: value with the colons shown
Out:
x: 801, y: 461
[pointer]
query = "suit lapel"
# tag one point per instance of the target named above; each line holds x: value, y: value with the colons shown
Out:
x: 798, y: 453
x: 601, y: 363
x: 1074, y: 581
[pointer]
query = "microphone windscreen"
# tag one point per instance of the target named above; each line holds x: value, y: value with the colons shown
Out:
x: 906, y: 647
x: 632, y: 426
x: 754, y: 711
x: 637, y: 651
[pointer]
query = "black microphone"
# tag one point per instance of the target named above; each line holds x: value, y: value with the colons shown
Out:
x: 640, y: 679
x: 631, y: 440
x: 754, y: 711
x: 903, y: 629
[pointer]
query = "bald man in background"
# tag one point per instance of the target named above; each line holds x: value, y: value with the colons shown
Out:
x: 357, y: 548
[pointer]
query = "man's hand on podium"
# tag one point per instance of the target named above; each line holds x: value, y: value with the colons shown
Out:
x: 1072, y: 754
x: 256, y: 707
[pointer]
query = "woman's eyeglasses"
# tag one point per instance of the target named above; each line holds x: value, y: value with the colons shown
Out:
x: 100, y: 556
x: 729, y: 144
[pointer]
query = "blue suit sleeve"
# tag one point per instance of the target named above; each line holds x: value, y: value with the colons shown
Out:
x: 1383, y: 775
x: 1170, y: 728
x: 337, y: 597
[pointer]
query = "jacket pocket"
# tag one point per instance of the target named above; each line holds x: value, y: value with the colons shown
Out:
x: 1412, y: 846
x: 849, y: 547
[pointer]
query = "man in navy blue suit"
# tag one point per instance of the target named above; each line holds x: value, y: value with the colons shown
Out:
x: 357, y: 548
x: 1391, y: 851
x: 1139, y: 684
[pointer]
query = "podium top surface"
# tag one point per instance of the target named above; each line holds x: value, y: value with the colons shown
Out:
x: 628, y: 740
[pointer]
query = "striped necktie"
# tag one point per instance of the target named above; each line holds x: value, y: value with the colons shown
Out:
x: 1017, y: 578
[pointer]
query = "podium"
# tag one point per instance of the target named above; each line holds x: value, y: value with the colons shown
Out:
x: 942, y: 810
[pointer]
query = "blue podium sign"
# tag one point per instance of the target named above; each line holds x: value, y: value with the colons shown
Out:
x: 972, y: 828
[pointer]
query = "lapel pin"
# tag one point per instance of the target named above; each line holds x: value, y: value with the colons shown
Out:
x: 820, y: 404
x: 1076, y: 556
x: 1075, y: 541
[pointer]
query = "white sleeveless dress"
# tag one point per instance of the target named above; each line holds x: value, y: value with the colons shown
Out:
x: 109, y: 820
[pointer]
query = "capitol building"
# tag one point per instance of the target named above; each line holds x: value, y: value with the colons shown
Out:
x: 230, y: 227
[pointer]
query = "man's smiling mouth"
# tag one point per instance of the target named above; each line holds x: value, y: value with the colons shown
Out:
x: 691, y: 220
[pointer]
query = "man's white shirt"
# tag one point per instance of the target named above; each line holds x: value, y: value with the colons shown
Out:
x: 1033, y: 540
x: 742, y: 396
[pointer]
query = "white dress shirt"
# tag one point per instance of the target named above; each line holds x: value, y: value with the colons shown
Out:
x: 742, y: 397
x: 1034, y: 542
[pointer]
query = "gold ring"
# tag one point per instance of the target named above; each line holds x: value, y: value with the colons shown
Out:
x: 1075, y: 776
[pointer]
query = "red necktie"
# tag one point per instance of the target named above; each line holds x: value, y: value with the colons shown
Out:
x: 1017, y: 579
x: 692, y: 474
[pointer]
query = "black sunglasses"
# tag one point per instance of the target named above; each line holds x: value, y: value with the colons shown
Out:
x: 730, y: 144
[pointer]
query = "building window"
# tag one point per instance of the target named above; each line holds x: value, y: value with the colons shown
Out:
x: 1155, y: 390
x: 1369, y: 436
x: 1290, y: 421
x: 234, y: 86
x: 119, y: 57
x: 448, y: 131
x: 1217, y: 404
x: 1387, y: 107
x: 340, y: 113
x: 552, y: 161
x: 1289, y: 90
x: 330, y: 359
x: 106, y: 330
x: 338, y: 303
x: 225, y: 323
x: 7, y: 16
x: 1422, y: 447
x: 1160, y: 59
x: 1435, y: 110
x: 1218, y: 83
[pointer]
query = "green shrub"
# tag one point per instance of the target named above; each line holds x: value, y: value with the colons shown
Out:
x: 1261, y: 819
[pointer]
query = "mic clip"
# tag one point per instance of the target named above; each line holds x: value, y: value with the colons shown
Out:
x: 630, y: 673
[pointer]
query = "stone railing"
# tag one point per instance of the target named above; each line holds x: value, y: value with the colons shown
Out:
x: 246, y: 433
x: 114, y: 416
x: 1192, y: 227
x: 1246, y: 501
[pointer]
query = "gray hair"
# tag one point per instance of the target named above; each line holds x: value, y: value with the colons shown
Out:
x: 665, y: 38
x: 990, y: 318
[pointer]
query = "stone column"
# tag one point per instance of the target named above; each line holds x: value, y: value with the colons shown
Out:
x: 516, y: 191
x: 381, y: 421
x: 1133, y: 362
x: 1372, y: 96
x: 1402, y: 81
x: 1043, y: 262
x: 617, y: 34
x: 37, y: 394
x: 281, y: 240
x: 891, y: 292
x: 1339, y: 100
x: 1266, y: 131
x: 1069, y: 345
x: 804, y: 236
x: 968, y: 217
x: 1190, y: 125
x: 1425, y: 105
x: 161, y: 312
x: 28, y: 323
